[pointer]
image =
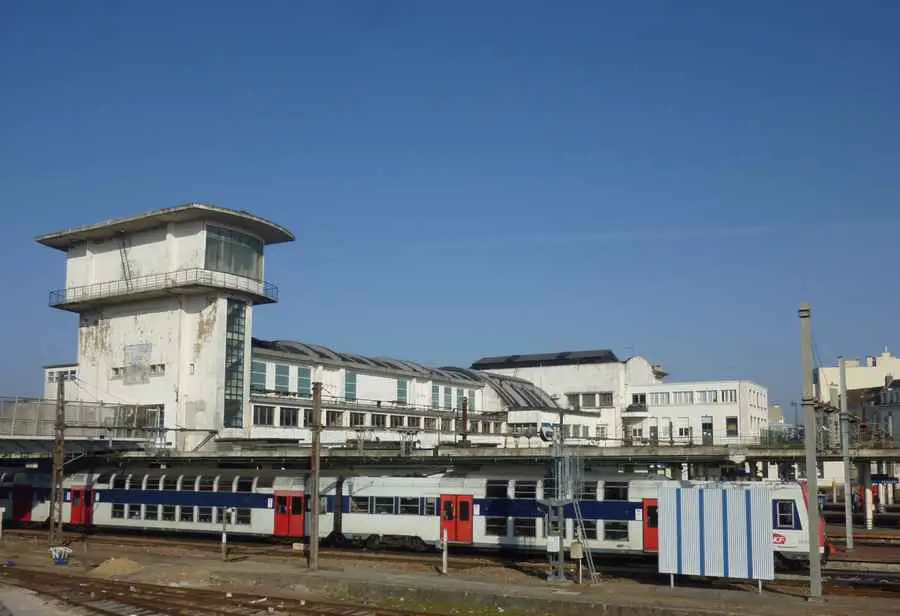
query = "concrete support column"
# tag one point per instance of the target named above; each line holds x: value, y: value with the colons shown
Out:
x: 865, y: 480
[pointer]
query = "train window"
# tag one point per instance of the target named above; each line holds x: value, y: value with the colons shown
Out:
x: 119, y: 481
x: 265, y: 482
x: 384, y: 504
x: 551, y: 528
x: 188, y: 483
x: 170, y: 482
x: 549, y: 487
x: 297, y: 506
x: 497, y: 488
x: 243, y: 517
x: 244, y: 484
x: 464, y: 511
x: 653, y: 516
x: 495, y: 527
x: 784, y: 514
x: 152, y: 482
x: 409, y: 506
x: 168, y: 513
x: 524, y: 527
x: 281, y: 507
x: 615, y: 490
x: 206, y: 484
x: 151, y: 512
x: 590, y: 529
x: 204, y: 515
x: 134, y: 512
x: 226, y: 484
x: 429, y: 508
x: 359, y: 504
x: 102, y: 479
x: 615, y: 531
x: 525, y: 489
x: 588, y: 491
x: 187, y: 514
x: 118, y: 510
x: 448, y: 510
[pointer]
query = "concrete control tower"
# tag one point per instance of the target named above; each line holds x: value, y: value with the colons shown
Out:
x: 165, y: 303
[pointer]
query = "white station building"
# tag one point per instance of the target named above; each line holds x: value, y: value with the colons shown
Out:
x: 165, y: 301
x: 627, y: 402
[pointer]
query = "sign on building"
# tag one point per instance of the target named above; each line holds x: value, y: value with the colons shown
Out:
x: 716, y: 531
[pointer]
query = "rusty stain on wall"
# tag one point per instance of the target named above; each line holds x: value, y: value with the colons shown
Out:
x: 93, y: 337
x: 206, y: 327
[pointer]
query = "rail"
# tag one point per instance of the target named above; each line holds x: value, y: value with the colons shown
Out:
x: 158, y: 282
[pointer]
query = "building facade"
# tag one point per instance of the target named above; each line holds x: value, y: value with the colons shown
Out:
x: 614, y: 402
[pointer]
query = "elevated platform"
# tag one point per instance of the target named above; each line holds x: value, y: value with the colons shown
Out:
x: 41, y: 448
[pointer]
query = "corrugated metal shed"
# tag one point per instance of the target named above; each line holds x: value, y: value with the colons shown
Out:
x: 721, y: 531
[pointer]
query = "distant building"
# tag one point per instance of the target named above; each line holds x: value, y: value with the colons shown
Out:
x: 614, y: 401
x: 776, y: 414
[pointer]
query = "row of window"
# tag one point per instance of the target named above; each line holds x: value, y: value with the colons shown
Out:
x: 188, y: 483
x: 266, y: 415
x: 665, y: 398
x: 608, y: 530
x: 171, y: 513
x: 389, y: 505
x: 592, y: 400
x: 63, y: 375
x: 527, y: 489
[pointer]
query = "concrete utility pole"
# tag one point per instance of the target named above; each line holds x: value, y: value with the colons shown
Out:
x: 845, y: 454
x: 59, y: 437
x: 812, y: 483
x: 314, y: 476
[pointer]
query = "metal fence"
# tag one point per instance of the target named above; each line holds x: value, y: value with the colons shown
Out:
x: 36, y: 418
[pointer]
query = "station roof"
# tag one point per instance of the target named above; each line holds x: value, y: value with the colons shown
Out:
x: 516, y: 393
x: 36, y: 448
x: 563, y: 358
x: 268, y: 232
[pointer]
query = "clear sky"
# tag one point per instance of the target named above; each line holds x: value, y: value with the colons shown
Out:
x: 466, y: 178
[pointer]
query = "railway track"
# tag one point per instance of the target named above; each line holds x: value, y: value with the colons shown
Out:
x: 110, y: 598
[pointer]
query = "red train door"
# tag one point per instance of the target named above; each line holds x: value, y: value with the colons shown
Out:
x: 456, y: 517
x: 289, y: 514
x: 22, y: 503
x: 651, y: 525
x: 81, y: 506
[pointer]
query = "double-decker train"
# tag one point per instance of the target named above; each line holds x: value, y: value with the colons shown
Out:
x: 496, y: 509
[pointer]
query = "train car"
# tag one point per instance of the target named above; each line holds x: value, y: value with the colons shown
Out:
x: 499, y: 510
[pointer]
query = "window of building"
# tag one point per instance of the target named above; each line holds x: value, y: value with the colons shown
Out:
x: 187, y: 514
x: 784, y: 514
x: 289, y: 416
x: 435, y: 396
x: 396, y: 421
x: 637, y: 432
x: 282, y: 377
x: 604, y: 399
x: 603, y: 431
x: 524, y: 527
x: 710, y: 396
x: 409, y: 506
x: 615, y: 531
x: 263, y: 415
x: 257, y: 375
x: 525, y: 489
x: 357, y: 420
x: 244, y: 516
x: 383, y: 505
x: 448, y: 398
x: 731, y: 426
x: 485, y: 427
x: 402, y: 391
x: 471, y: 399
x: 233, y: 252
x: 204, y: 515
x: 684, y: 432
x: 359, y: 504
x: 658, y: 398
x: 729, y: 395
x: 334, y: 419
x: 235, y: 328
x: 378, y: 420
x: 51, y: 376
x: 430, y: 424
x: 350, y: 386
x: 495, y: 527
x: 639, y: 399
x: 585, y: 431
x: 497, y: 488
x: 615, y: 491
x: 168, y: 513
x: 574, y: 401
x: 118, y: 510
x: 307, y: 417
x: 473, y: 427
x: 446, y: 425
x: 151, y: 512
x: 413, y: 422
x: 588, y: 401
x: 304, y: 382
x: 683, y: 397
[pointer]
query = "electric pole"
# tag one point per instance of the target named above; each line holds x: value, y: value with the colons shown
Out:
x: 812, y: 470
x: 314, y: 476
x: 845, y: 454
x: 56, y: 489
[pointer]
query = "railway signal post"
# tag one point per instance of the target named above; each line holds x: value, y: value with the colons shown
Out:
x: 315, y: 463
x: 812, y: 483
x: 845, y: 455
x: 56, y: 488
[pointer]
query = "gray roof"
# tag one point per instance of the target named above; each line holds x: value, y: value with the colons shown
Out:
x: 268, y: 232
x: 563, y: 358
x: 516, y: 393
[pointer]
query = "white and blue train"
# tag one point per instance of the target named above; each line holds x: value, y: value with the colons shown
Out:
x: 498, y: 509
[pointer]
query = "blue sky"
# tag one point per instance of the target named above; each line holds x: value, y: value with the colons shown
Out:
x: 470, y: 178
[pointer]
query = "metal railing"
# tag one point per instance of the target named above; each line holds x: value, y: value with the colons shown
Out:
x: 157, y: 282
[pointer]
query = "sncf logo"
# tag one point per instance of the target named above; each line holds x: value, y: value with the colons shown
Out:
x: 778, y: 539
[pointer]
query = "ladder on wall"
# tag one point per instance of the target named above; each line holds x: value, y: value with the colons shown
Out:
x: 581, y: 536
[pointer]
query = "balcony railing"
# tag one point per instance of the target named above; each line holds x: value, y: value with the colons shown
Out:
x: 160, y: 282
